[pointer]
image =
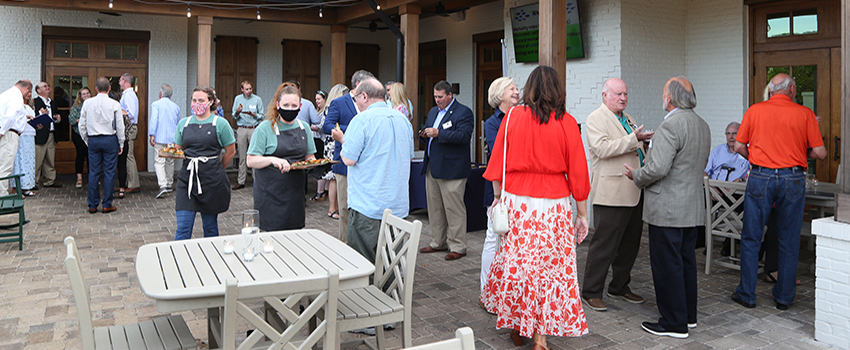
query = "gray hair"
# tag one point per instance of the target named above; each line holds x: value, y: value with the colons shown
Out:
x: 372, y: 87
x: 735, y: 124
x: 359, y: 76
x: 497, y: 89
x: 166, y: 90
x: 681, y: 92
x: 783, y: 85
x: 128, y: 78
x: 606, y: 88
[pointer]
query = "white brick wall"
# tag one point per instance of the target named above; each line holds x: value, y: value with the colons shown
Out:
x: 716, y: 62
x: 832, y: 261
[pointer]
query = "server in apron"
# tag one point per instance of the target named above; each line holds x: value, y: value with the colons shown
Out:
x: 279, y: 141
x: 202, y: 185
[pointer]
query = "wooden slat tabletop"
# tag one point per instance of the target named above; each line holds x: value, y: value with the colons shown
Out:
x: 190, y: 274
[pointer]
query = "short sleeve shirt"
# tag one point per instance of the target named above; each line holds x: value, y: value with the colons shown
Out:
x: 264, y: 140
x: 222, y: 129
x: 778, y: 132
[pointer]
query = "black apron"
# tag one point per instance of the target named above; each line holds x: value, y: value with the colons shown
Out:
x: 202, y: 185
x: 280, y: 197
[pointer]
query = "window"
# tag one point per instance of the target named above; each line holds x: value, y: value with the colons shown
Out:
x: 70, y: 50
x: 801, y: 22
x: 122, y: 52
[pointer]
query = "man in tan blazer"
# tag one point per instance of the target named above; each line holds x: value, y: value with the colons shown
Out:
x: 613, y: 140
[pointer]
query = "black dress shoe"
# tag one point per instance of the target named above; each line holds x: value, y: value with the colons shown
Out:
x: 743, y: 303
x: 656, y: 329
x: 781, y: 306
x: 55, y: 184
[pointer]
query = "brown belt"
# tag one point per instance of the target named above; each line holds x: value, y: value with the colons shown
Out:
x: 248, y: 127
x: 15, y: 131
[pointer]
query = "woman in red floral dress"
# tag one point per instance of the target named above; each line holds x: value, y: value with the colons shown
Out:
x: 533, y: 286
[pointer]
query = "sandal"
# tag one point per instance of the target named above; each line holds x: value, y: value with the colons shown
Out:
x: 120, y: 194
x: 79, y: 183
x: 768, y: 277
x: 334, y: 215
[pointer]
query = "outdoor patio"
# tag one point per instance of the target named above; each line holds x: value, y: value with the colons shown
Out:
x: 37, y: 309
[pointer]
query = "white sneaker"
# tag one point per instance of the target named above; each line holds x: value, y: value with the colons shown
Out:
x: 162, y: 192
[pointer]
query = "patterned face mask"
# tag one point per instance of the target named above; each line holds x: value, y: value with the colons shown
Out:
x: 199, y: 108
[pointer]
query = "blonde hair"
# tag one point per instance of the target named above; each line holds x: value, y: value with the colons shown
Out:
x: 398, y: 95
x: 497, y: 89
x: 284, y: 89
x: 336, y: 92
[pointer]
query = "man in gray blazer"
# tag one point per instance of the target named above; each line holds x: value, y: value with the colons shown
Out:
x: 674, y: 207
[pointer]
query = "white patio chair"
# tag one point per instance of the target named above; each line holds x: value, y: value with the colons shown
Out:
x: 168, y: 332
x: 325, y: 291
x: 388, y: 299
x: 724, y: 203
x: 463, y: 340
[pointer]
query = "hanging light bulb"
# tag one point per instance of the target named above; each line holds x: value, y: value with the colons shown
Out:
x: 379, y: 6
x: 320, y: 11
x: 188, y: 11
x: 258, y: 13
x: 110, y: 3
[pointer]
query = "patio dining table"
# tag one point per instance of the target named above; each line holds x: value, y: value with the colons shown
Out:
x: 191, y: 274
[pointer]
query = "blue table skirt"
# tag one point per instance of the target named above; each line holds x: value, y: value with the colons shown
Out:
x: 476, y: 213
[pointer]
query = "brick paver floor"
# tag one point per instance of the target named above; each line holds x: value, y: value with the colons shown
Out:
x: 37, y: 310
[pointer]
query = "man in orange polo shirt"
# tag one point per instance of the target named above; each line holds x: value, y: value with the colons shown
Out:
x: 776, y: 136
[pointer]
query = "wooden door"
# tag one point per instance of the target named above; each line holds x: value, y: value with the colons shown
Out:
x: 489, y: 66
x: 361, y: 56
x: 301, y: 62
x: 235, y: 62
x: 70, y: 80
x: 818, y: 88
x: 432, y: 69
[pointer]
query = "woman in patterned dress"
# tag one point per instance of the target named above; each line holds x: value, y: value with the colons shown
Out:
x: 533, y: 286
x: 333, y: 207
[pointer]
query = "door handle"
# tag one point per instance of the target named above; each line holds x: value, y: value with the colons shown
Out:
x: 837, y: 149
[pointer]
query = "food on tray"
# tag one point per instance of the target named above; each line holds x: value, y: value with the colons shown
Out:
x: 312, y: 162
x: 171, y: 152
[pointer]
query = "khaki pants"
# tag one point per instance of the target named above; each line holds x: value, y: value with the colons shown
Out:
x: 132, y: 169
x: 342, y: 196
x: 243, y: 141
x: 44, y: 157
x: 8, y: 150
x: 446, y: 212
x: 164, y: 168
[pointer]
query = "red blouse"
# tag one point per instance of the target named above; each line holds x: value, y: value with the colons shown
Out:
x: 539, y: 157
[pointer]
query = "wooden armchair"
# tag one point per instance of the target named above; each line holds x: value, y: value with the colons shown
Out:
x: 12, y: 204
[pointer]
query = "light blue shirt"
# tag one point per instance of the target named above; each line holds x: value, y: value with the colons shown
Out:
x: 721, y: 157
x: 251, y: 104
x: 309, y: 115
x: 162, y: 124
x: 130, y: 104
x: 380, y: 141
x: 440, y: 115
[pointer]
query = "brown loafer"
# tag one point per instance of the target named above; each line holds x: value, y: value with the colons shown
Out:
x: 454, y: 256
x: 92, y: 210
x: 428, y: 249
x: 133, y: 190
x: 238, y: 186
x: 595, y: 304
x: 108, y: 210
x: 629, y: 296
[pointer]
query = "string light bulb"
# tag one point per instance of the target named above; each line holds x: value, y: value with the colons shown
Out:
x: 379, y: 6
x: 258, y: 13
x: 320, y: 11
x: 110, y: 3
x: 188, y: 11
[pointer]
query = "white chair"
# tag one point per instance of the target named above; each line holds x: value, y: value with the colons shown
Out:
x: 169, y: 332
x: 325, y: 290
x: 724, y: 203
x: 463, y: 340
x: 388, y: 299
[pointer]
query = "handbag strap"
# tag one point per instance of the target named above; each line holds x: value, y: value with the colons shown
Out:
x: 505, y: 150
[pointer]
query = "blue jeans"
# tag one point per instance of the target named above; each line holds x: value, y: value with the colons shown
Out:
x: 786, y: 189
x: 186, y: 221
x: 103, y: 155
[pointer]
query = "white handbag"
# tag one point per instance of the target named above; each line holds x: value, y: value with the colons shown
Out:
x: 499, y: 216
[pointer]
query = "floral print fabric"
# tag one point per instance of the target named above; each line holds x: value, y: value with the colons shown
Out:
x: 532, y: 285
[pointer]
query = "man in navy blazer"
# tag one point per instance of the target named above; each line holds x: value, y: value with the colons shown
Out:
x: 340, y: 112
x: 447, y: 134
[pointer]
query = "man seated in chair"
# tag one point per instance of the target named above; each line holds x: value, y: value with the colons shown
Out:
x: 725, y: 165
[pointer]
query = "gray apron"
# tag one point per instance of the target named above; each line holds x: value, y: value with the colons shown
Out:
x: 202, y: 185
x: 280, y: 197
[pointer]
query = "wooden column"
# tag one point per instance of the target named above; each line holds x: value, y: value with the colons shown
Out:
x: 338, y: 55
x: 553, y: 36
x: 410, y: 29
x: 204, y: 49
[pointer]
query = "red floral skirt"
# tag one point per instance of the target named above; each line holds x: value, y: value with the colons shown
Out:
x: 532, y: 285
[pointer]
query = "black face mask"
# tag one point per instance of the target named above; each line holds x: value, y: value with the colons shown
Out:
x: 288, y: 114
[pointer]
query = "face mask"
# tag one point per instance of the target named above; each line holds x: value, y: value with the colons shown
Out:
x: 199, y: 108
x: 288, y: 114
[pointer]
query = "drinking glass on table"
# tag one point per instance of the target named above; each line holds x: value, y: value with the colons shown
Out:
x: 250, y: 228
